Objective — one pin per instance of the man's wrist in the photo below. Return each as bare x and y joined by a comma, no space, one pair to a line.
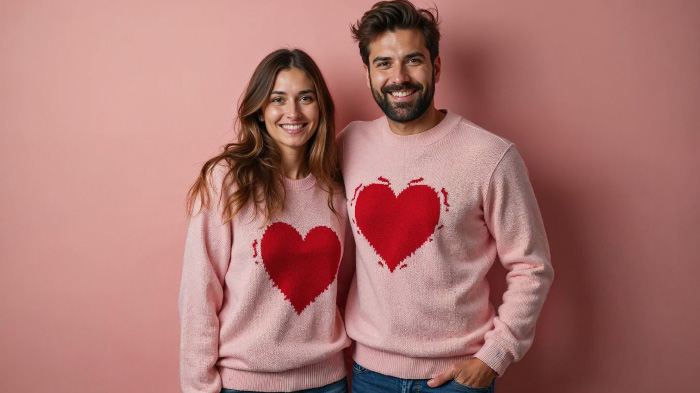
494,357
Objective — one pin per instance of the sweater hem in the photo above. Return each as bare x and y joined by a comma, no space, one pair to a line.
406,367
310,376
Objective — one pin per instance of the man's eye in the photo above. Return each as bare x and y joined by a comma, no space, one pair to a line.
413,61
382,64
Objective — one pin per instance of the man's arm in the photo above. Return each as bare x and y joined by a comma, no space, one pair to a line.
513,218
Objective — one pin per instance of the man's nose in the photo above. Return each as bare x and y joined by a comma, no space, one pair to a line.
400,75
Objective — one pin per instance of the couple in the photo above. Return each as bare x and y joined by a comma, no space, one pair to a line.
286,260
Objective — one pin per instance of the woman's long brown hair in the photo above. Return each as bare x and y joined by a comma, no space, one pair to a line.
254,162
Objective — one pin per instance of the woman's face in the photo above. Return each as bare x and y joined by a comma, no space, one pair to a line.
291,112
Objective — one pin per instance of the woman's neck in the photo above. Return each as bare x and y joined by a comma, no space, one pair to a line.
294,165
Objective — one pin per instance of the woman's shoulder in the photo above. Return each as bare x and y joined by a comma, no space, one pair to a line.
220,177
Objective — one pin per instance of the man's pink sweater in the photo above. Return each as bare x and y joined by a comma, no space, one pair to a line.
431,213
258,300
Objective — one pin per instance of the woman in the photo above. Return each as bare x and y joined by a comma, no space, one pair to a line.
260,276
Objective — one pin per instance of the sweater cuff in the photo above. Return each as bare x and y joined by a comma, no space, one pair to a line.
494,357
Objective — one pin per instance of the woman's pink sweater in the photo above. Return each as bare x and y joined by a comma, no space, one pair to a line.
257,300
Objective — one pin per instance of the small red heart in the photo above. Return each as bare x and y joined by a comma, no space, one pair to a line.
396,226
301,268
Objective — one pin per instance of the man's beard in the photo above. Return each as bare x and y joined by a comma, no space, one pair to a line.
404,112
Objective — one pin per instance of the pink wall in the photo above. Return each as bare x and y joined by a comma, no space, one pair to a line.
108,108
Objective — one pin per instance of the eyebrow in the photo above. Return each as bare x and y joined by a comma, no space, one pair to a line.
380,58
414,54
408,56
307,91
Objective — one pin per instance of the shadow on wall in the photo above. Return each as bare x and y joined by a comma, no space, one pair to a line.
354,102
463,87
565,337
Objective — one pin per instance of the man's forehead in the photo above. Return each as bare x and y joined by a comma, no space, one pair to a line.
399,42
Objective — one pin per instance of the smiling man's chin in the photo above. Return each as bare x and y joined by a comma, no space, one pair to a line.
405,106
404,112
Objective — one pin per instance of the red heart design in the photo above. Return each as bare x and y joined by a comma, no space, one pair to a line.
301,268
396,226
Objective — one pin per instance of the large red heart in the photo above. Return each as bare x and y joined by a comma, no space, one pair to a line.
396,226
301,268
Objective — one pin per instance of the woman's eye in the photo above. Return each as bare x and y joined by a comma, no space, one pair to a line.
306,99
276,99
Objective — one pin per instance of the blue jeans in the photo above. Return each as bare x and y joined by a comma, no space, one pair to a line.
335,387
367,381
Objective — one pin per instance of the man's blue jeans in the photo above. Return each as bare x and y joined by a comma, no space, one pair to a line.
335,387
367,381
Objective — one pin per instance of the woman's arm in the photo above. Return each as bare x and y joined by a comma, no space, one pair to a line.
207,256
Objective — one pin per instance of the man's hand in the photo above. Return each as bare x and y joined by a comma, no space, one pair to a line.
472,372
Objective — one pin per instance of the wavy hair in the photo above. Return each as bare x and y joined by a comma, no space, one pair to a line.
254,161
393,15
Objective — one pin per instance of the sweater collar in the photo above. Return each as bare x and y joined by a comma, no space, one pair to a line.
424,138
300,184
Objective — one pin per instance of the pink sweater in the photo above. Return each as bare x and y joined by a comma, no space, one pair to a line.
431,213
258,301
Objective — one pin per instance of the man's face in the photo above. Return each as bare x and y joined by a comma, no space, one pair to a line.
400,74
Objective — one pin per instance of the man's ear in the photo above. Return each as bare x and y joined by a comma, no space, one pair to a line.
367,76
437,67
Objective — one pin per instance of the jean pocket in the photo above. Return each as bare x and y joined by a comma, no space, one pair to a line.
466,388
357,369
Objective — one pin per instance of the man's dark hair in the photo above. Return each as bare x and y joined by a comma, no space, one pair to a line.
391,16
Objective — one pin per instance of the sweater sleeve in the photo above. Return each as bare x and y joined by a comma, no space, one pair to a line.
206,260
513,219
346,271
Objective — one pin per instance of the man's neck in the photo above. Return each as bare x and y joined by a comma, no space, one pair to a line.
426,121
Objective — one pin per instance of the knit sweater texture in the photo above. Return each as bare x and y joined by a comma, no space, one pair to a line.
431,213
258,301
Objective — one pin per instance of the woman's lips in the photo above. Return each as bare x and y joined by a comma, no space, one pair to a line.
293,128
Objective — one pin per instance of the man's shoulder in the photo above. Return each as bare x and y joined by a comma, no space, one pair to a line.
358,128
480,137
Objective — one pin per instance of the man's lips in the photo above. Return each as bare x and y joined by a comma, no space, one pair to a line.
402,95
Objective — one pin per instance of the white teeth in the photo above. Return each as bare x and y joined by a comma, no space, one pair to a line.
401,93
293,127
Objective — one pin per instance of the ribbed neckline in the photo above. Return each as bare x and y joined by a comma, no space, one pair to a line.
301,184
424,138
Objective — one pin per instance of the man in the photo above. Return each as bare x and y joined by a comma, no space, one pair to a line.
433,201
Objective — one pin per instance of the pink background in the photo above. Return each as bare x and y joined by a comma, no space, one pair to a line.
107,110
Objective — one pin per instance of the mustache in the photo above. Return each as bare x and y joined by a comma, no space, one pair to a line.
403,86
